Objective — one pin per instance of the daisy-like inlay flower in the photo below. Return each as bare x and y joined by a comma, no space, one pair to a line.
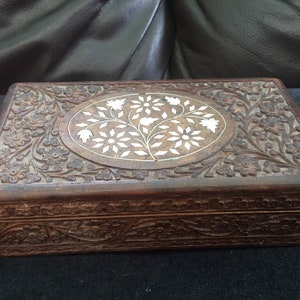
146,104
185,137
112,141
116,104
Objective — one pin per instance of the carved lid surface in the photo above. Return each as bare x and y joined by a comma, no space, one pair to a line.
146,130
110,131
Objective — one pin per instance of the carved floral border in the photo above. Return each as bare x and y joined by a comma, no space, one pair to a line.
116,233
267,139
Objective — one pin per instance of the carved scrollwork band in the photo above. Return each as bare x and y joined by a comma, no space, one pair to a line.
152,205
150,232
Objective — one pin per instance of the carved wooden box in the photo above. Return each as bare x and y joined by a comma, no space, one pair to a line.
109,166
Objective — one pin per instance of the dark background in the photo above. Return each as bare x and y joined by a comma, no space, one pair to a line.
266,273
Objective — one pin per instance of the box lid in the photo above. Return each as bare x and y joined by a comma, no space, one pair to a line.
87,138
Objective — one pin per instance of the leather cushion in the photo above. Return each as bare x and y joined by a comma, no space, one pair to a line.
59,40
236,38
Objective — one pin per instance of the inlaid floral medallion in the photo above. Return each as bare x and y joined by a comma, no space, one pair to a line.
146,130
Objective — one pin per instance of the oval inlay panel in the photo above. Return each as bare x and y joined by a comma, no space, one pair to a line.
150,130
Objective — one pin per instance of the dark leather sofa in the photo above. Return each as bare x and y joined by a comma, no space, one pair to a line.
78,40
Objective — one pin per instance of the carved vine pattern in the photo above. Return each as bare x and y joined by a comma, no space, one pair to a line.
267,137
146,230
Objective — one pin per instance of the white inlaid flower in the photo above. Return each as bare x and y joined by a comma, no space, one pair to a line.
116,104
210,124
149,126
172,100
146,104
112,141
185,137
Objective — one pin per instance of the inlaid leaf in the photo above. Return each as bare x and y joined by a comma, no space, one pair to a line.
156,108
173,138
159,136
92,120
140,152
136,145
125,139
122,145
195,143
210,124
187,145
105,149
156,144
101,114
146,121
160,153
101,108
81,124
163,127
198,138
125,153
103,125
174,151
145,130
115,149
208,115
84,135
120,134
87,113
97,145
178,144
134,133
98,140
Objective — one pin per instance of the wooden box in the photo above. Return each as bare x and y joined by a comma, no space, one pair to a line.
115,166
